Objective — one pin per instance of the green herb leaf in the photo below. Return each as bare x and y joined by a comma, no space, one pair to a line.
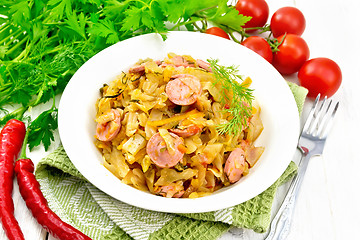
20,12
231,18
58,8
240,102
38,31
106,29
201,7
76,23
42,129
114,10
173,9
3,50
21,96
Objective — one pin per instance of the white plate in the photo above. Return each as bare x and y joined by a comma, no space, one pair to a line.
279,114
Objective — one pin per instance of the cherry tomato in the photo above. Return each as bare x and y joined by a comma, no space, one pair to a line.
320,75
287,20
293,53
260,46
258,10
217,32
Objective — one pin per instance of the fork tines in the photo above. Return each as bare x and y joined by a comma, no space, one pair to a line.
320,117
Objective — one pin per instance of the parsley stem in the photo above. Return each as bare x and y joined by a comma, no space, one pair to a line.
27,49
53,23
21,55
14,35
197,13
17,114
53,98
4,99
5,90
184,23
5,86
4,27
17,45
144,3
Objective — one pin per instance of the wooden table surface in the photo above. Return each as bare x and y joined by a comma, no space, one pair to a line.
327,207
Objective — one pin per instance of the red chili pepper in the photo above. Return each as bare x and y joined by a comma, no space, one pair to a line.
30,191
11,139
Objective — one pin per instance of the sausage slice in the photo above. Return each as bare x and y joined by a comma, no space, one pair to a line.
158,153
235,165
107,131
204,65
187,132
184,89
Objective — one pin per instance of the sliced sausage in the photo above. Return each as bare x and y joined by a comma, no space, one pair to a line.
204,65
158,153
191,130
184,89
141,67
107,131
235,165
137,68
170,191
179,61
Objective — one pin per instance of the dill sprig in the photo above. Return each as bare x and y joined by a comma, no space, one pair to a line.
237,96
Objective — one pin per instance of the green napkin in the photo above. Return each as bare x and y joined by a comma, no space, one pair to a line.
100,216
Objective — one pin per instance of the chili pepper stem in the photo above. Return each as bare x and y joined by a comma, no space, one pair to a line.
23,147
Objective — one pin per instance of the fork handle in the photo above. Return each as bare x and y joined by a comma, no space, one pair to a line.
280,225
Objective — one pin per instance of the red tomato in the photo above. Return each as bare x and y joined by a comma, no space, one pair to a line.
293,53
287,20
260,46
320,75
217,32
257,9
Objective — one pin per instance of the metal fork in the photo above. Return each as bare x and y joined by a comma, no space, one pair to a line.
311,143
